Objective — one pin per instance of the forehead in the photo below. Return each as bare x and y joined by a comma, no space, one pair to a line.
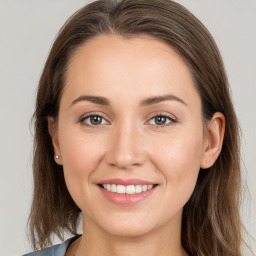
108,49
112,65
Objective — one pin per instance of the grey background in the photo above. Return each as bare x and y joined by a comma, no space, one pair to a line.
27,30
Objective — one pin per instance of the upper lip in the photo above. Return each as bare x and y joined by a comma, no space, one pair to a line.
126,182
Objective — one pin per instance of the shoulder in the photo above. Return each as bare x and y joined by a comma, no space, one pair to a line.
56,250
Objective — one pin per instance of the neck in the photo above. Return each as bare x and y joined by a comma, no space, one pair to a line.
97,242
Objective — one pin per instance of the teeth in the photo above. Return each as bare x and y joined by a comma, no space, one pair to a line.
150,186
130,189
120,189
144,188
113,188
138,188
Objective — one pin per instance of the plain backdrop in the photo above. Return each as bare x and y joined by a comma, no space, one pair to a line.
27,30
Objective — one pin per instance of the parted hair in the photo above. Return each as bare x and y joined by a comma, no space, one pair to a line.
211,222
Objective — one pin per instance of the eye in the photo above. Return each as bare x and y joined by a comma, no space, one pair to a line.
93,120
161,120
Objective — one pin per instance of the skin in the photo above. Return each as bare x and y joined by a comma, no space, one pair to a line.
128,143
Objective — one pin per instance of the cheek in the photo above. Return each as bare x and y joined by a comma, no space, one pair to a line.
178,161
81,157
179,157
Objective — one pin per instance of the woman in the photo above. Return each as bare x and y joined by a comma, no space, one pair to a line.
135,129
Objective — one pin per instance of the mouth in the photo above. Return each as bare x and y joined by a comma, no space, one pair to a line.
129,189
126,192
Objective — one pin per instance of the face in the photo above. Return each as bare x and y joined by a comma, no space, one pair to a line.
130,121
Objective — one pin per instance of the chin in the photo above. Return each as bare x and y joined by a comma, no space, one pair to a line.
128,225
131,231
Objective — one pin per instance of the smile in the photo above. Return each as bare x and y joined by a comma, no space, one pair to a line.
129,189
127,192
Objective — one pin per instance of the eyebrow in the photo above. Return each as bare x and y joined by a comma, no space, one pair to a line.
94,99
146,102
157,99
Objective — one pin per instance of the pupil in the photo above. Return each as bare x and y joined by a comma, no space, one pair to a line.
160,120
95,120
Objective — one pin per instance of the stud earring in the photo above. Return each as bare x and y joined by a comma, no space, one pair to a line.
57,157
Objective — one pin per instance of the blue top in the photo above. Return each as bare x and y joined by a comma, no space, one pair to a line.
56,250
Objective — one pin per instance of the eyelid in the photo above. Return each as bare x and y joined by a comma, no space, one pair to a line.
94,113
173,118
159,113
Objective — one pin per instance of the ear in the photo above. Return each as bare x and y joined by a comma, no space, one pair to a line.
213,140
53,131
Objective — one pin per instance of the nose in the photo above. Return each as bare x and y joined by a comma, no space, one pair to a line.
125,149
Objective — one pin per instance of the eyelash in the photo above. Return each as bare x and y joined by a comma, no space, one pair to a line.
172,120
155,115
83,118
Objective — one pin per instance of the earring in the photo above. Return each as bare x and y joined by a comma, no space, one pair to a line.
57,157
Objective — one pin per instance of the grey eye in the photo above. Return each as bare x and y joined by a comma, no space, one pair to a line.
160,120
94,120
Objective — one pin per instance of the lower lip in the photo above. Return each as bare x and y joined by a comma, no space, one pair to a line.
126,199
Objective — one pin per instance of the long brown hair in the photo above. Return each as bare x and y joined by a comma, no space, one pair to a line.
211,223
